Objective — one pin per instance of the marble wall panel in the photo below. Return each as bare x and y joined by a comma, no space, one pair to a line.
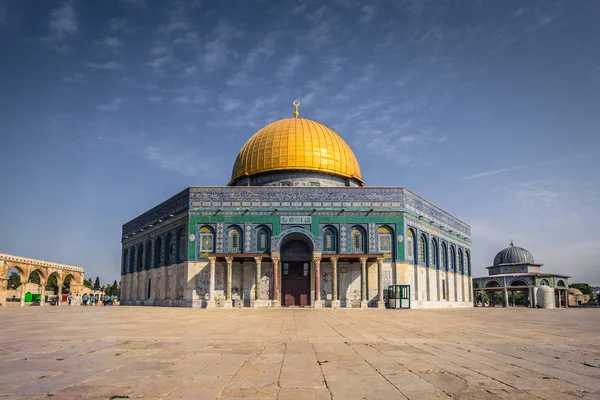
326,283
265,281
237,281
350,285
249,279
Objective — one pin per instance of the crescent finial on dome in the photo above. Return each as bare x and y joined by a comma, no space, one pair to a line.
296,103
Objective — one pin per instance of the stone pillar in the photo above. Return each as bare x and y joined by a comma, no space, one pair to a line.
3,290
364,303
257,302
228,302
380,302
505,297
530,297
23,293
42,291
275,295
566,298
211,287
559,298
59,301
335,301
317,262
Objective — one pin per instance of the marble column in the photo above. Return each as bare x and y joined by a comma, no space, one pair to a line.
505,297
275,295
364,303
317,263
228,301
566,298
559,298
23,293
257,302
211,289
380,301
530,290
335,301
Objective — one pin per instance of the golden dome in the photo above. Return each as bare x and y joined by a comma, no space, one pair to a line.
296,144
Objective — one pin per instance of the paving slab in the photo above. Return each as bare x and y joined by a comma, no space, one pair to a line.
173,353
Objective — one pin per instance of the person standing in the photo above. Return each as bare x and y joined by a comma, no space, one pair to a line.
76,299
70,298
84,298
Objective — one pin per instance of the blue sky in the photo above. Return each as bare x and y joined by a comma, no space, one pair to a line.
489,109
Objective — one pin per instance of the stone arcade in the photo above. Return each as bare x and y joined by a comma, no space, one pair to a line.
295,226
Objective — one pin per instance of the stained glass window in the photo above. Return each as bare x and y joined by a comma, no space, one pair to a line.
434,252
421,249
262,240
329,242
206,240
357,239
233,240
444,260
410,245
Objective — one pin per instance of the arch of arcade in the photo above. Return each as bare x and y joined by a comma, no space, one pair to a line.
25,266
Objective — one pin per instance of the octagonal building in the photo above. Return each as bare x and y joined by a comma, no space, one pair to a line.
295,226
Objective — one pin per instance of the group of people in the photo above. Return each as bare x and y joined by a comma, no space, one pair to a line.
91,300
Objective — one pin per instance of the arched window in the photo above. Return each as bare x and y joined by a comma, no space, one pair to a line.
330,240
468,262
169,250
544,282
444,258
124,263
434,253
157,252
460,261
561,283
262,240
148,256
181,245
206,240
357,238
422,249
385,239
131,260
140,255
452,259
410,245
234,235
492,284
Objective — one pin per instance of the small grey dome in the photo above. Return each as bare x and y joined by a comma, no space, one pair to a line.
513,255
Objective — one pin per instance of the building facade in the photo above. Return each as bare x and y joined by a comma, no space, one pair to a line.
515,271
295,226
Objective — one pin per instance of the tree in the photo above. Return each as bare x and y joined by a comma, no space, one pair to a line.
52,283
88,283
97,283
584,287
14,280
34,277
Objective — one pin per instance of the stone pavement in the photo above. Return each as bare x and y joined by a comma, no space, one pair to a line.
173,353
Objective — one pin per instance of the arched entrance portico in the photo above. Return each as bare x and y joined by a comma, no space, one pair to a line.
296,256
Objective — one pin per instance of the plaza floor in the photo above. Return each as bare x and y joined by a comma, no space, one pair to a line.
172,353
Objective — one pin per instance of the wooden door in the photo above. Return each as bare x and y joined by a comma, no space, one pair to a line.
295,282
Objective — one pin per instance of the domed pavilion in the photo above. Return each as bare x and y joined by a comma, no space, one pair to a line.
295,226
515,278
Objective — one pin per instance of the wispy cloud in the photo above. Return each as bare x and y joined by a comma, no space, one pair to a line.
63,22
119,25
112,42
74,78
368,14
107,66
263,50
493,172
217,50
187,163
112,105
291,65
